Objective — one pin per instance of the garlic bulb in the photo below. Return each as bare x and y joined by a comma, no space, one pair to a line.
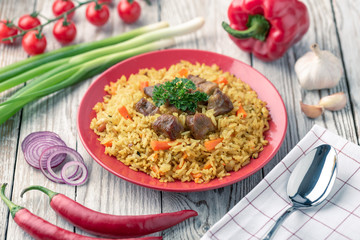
333,102
318,69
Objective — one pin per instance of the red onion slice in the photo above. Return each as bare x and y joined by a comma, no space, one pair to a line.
33,135
45,150
55,151
48,175
34,149
74,182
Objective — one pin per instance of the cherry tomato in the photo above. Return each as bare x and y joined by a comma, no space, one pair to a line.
129,12
28,21
61,6
7,29
97,14
34,44
64,31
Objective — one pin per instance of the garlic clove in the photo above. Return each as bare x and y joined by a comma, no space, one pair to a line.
318,69
333,102
311,111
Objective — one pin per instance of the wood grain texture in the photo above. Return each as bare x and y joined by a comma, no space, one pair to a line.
332,22
105,192
347,15
47,114
9,132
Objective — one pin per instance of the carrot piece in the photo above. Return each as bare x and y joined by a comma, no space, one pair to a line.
196,175
144,85
210,145
123,111
221,79
241,112
207,165
183,72
108,143
160,145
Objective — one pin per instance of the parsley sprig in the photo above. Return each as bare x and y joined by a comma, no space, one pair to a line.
180,92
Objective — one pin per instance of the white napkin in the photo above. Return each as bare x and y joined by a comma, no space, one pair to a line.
338,217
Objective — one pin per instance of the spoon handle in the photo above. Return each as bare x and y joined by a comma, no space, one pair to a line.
278,222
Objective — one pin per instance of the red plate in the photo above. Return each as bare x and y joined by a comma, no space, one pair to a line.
164,58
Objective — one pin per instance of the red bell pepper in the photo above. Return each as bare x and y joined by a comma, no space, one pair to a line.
267,28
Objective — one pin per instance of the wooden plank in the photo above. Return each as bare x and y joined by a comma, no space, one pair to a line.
347,14
9,131
211,205
104,191
47,114
281,74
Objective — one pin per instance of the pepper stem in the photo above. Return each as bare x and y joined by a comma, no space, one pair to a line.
48,192
258,28
12,206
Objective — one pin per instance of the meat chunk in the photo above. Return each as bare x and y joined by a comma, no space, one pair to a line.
168,125
197,80
146,108
149,91
199,125
172,109
220,102
208,87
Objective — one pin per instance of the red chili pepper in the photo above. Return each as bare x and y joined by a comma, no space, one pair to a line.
107,225
267,28
41,229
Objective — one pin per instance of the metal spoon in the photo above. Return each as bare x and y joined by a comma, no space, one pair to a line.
310,182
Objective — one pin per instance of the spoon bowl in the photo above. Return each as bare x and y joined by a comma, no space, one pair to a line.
310,182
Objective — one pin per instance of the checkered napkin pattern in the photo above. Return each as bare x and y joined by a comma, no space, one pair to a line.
338,217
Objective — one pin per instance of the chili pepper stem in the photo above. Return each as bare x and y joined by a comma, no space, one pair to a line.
12,206
48,192
258,28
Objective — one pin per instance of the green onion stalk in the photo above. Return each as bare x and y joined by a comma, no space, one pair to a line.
88,56
17,68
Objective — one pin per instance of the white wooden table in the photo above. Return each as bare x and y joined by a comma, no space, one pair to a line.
334,26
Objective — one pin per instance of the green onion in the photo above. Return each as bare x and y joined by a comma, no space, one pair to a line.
23,77
35,61
77,68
